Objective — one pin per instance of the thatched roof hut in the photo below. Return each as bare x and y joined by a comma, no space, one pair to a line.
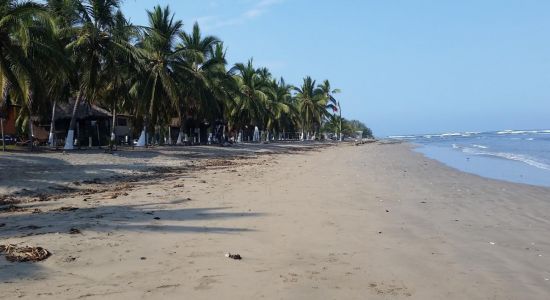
85,111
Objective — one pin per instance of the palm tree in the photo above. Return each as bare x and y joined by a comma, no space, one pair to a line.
159,85
42,55
64,15
311,103
278,107
17,76
250,103
331,102
45,62
87,50
197,62
92,46
117,74
223,88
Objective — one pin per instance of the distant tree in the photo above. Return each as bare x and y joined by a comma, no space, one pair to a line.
349,127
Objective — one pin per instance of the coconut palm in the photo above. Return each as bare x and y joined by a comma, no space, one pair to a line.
196,63
92,46
87,50
13,41
64,16
288,118
223,86
39,61
45,56
332,104
117,74
251,100
311,103
16,72
159,88
278,107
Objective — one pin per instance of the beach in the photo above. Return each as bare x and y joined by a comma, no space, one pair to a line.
314,221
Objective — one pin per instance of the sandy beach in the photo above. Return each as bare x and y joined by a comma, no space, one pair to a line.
372,221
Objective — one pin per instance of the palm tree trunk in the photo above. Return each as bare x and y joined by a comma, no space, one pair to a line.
31,137
5,91
52,126
3,105
142,142
340,110
69,140
3,137
267,133
29,105
181,133
113,129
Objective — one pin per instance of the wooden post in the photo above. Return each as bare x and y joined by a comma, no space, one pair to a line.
98,136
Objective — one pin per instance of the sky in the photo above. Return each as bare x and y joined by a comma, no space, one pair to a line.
404,67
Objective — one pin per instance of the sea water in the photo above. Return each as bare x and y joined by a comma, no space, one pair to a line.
513,155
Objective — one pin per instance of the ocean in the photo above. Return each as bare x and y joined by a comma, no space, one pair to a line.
521,156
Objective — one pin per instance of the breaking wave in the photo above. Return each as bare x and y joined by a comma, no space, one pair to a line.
402,137
523,132
510,156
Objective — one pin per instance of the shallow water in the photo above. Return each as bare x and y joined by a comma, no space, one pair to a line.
513,155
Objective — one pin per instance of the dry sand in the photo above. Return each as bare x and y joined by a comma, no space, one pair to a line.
346,222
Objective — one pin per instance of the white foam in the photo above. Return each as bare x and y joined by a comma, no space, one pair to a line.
480,146
511,156
451,134
401,137
509,131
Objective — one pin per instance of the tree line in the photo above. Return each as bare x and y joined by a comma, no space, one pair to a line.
88,51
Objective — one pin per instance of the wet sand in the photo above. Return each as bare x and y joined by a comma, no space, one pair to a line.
343,222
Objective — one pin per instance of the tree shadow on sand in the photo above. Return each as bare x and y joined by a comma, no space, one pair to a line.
15,271
151,217
108,218
33,173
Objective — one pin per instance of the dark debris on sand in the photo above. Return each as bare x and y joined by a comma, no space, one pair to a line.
234,256
14,253
74,231
12,208
66,208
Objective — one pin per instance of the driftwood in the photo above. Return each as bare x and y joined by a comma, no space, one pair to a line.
24,254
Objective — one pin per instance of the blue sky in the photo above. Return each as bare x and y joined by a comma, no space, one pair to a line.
404,66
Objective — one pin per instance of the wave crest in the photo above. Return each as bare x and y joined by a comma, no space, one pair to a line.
510,156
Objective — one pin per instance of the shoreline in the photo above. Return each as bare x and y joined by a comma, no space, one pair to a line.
514,156
375,221
510,171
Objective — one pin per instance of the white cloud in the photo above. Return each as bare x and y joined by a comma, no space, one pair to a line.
256,10
260,8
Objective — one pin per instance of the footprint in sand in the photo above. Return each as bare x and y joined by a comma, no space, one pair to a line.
206,283
291,277
389,289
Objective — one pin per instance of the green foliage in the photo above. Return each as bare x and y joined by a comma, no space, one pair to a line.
87,50
349,127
